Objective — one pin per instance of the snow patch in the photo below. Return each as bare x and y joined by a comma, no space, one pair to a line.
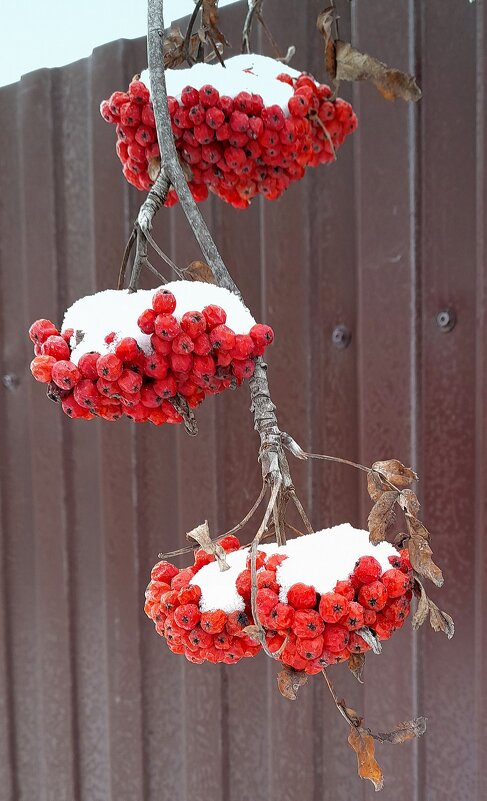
118,311
245,73
319,560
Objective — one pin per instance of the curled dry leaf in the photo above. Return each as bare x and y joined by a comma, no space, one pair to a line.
420,552
289,681
201,534
324,24
439,620
356,664
367,766
395,472
199,271
408,502
254,633
404,731
351,65
375,486
209,17
382,516
154,167
370,638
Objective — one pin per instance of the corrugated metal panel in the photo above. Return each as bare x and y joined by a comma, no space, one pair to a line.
94,707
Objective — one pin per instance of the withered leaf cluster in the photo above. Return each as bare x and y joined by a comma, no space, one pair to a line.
190,48
388,484
344,63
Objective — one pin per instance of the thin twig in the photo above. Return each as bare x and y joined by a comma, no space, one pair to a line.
313,115
300,508
125,257
250,514
187,39
253,564
163,256
338,703
255,7
269,35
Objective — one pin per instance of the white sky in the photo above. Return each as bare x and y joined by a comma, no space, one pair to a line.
50,33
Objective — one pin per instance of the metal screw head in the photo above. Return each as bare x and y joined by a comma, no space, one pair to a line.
341,337
446,320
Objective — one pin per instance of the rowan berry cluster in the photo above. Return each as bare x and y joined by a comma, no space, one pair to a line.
235,147
191,357
314,630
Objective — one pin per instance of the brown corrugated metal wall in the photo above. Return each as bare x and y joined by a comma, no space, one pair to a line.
93,706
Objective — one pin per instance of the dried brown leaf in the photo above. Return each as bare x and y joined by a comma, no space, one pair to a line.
199,271
209,18
154,167
408,501
420,555
201,535
356,664
441,621
415,526
324,24
253,632
351,65
289,681
407,730
370,638
375,486
367,766
422,610
395,472
382,516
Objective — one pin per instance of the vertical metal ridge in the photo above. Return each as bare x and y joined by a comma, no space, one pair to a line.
480,416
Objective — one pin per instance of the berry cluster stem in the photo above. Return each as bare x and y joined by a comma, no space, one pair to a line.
273,461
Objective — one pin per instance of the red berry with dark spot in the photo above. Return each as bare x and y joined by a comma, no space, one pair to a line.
310,647
367,569
335,637
354,618
213,622
146,321
109,366
41,330
166,326
301,596
65,374
333,606
373,596
163,302
395,582
307,623
187,616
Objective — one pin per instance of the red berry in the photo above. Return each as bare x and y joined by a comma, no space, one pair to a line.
155,365
86,393
298,105
243,369
166,387
273,117
109,367
229,543
107,388
189,96
395,582
208,96
182,344
243,584
222,338
187,616
163,571
266,600
262,335
396,611
65,374
367,569
204,366
346,589
307,623
41,330
193,323
369,617
276,559
266,579
301,596
163,302
146,321
213,622
87,365
41,368
335,637
127,350
354,618
310,647
182,362
169,600
57,347
215,118
145,134
202,344
373,596
130,114
333,606
243,102
166,326
149,397
139,92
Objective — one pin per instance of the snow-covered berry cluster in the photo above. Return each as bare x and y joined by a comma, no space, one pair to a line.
203,612
249,129
157,349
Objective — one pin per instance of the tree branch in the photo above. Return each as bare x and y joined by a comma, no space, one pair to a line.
273,460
